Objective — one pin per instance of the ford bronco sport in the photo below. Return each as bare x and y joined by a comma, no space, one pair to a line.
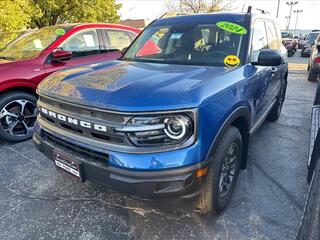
174,123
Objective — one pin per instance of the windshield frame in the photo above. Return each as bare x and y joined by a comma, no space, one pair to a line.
243,49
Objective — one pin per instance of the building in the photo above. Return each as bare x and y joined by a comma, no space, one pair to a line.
136,23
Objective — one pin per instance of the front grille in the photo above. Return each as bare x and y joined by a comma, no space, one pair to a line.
108,119
84,111
84,152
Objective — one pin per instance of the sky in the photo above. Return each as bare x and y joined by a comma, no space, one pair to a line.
308,19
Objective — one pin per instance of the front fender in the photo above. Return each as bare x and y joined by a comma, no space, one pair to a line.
237,114
19,83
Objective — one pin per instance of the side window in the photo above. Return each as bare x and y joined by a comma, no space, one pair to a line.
118,39
272,36
259,39
83,43
156,45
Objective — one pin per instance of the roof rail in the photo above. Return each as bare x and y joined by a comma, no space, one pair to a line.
172,14
249,10
262,11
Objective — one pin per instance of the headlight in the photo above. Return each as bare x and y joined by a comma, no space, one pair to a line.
176,127
161,130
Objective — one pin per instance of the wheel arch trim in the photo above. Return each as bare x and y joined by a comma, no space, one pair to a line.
241,111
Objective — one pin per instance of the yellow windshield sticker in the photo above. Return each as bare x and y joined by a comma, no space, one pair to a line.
232,27
232,61
60,31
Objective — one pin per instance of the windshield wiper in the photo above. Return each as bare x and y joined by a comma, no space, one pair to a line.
7,58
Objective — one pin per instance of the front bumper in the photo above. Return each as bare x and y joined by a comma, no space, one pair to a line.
179,182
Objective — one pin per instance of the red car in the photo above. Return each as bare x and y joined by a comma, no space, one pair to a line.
29,59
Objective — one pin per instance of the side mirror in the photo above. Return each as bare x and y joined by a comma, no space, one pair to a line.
61,55
269,57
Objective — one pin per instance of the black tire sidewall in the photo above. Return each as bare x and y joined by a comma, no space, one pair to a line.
4,100
232,135
312,76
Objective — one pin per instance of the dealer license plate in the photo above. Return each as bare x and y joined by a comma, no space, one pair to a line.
67,165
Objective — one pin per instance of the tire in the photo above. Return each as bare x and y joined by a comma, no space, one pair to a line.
317,96
277,108
312,76
290,53
15,125
211,199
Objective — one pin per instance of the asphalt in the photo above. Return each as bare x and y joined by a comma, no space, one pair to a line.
37,202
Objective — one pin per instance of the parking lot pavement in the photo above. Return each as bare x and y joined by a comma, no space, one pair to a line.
37,202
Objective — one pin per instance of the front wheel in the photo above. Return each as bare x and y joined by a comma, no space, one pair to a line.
222,174
312,76
290,53
18,113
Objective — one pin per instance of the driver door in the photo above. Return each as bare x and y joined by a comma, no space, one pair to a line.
263,75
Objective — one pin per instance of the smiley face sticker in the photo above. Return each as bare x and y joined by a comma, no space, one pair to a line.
232,61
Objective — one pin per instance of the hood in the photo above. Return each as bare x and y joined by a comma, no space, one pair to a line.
130,86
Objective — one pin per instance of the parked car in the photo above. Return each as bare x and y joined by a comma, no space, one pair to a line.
173,123
290,42
310,225
308,43
301,40
314,61
37,54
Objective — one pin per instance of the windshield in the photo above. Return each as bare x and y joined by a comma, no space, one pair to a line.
31,44
312,37
286,34
199,44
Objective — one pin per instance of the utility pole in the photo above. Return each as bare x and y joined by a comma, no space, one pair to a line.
278,8
290,4
297,12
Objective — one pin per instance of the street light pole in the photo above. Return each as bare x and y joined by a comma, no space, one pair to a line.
291,4
297,12
287,20
278,8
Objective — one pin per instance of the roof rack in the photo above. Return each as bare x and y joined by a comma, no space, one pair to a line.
262,11
173,14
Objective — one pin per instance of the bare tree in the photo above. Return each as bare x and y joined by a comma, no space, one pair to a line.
198,6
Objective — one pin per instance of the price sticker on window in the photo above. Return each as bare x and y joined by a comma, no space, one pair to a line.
60,31
232,27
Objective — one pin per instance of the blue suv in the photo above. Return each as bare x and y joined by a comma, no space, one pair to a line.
171,122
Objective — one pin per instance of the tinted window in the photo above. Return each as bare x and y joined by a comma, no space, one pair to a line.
259,39
119,39
286,34
83,43
273,41
312,37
